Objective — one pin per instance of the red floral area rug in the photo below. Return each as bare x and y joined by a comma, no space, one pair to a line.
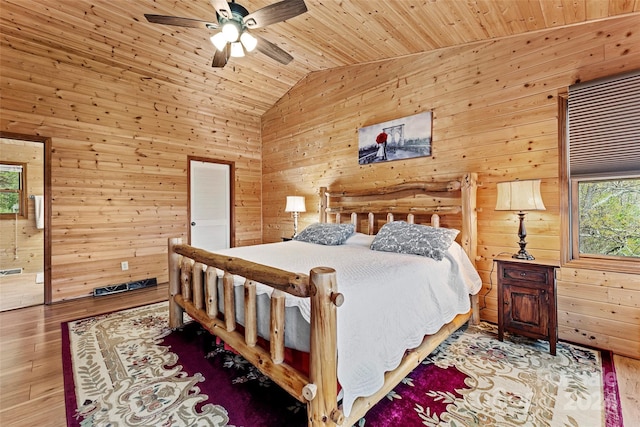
128,369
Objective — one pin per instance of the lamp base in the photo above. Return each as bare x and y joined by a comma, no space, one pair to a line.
295,225
522,234
523,255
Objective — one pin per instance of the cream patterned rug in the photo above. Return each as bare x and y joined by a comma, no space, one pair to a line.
123,376
128,369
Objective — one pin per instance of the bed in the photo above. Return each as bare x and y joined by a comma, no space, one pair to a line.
333,300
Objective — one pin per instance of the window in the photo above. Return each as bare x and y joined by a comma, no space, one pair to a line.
608,213
600,134
12,185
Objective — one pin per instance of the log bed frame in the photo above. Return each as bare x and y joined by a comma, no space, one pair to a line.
196,295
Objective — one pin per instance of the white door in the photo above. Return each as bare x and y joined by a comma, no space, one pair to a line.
210,205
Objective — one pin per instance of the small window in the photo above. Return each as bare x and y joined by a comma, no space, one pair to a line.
600,134
12,184
608,218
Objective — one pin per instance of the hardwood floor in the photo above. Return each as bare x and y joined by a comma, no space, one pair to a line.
31,384
628,373
21,290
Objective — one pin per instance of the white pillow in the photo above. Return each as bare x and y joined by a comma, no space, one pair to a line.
360,239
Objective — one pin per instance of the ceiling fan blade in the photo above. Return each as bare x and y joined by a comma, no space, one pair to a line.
273,51
220,58
276,12
222,8
180,22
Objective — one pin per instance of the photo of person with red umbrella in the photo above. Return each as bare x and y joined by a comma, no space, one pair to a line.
381,140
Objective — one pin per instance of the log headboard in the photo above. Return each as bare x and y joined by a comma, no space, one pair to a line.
416,202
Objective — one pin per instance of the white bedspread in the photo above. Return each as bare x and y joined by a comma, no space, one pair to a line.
391,301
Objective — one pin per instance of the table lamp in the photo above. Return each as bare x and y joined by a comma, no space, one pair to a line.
520,196
296,205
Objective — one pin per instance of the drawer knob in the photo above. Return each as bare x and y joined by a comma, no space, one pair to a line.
523,274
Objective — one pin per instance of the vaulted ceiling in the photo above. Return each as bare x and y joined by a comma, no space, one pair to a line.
332,33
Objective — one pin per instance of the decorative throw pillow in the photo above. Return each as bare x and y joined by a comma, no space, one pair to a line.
405,238
326,234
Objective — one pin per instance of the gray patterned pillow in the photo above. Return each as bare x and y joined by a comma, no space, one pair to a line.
405,238
326,234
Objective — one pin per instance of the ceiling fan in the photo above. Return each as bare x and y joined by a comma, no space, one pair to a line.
234,21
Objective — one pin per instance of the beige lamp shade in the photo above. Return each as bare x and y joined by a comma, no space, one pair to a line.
295,204
519,196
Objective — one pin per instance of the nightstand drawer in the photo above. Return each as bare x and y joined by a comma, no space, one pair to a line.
535,275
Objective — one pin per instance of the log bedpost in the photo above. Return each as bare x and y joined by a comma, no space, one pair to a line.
323,376
435,220
276,334
186,278
198,286
250,315
469,237
229,304
211,291
324,204
175,311
371,221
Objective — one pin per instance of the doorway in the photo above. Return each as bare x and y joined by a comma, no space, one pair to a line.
211,204
25,217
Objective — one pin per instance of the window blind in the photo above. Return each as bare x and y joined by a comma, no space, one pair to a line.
604,125
10,168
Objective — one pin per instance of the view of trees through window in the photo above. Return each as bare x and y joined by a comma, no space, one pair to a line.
10,186
609,217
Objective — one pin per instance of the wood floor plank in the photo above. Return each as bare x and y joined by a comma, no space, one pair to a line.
47,411
17,394
20,290
628,373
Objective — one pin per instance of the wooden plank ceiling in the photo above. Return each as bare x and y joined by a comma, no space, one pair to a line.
333,33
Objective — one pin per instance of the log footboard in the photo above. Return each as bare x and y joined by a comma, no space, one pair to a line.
189,288
193,275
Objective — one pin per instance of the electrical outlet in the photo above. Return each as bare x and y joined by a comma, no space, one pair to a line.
124,265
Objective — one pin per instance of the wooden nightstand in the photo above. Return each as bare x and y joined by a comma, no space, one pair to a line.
527,299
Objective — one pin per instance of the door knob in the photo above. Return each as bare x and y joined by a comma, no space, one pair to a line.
193,223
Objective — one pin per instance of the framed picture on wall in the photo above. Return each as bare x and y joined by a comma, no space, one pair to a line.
397,139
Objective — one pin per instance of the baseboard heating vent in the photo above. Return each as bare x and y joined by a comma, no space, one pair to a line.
11,271
114,289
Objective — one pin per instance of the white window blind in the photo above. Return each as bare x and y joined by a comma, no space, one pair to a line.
10,168
604,125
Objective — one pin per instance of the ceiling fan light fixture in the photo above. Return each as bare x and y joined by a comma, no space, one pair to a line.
237,51
219,41
248,41
231,31
231,27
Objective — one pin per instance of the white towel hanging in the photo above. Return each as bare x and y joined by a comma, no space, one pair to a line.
39,209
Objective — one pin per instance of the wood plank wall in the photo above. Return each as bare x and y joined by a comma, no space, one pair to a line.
119,160
21,242
495,107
